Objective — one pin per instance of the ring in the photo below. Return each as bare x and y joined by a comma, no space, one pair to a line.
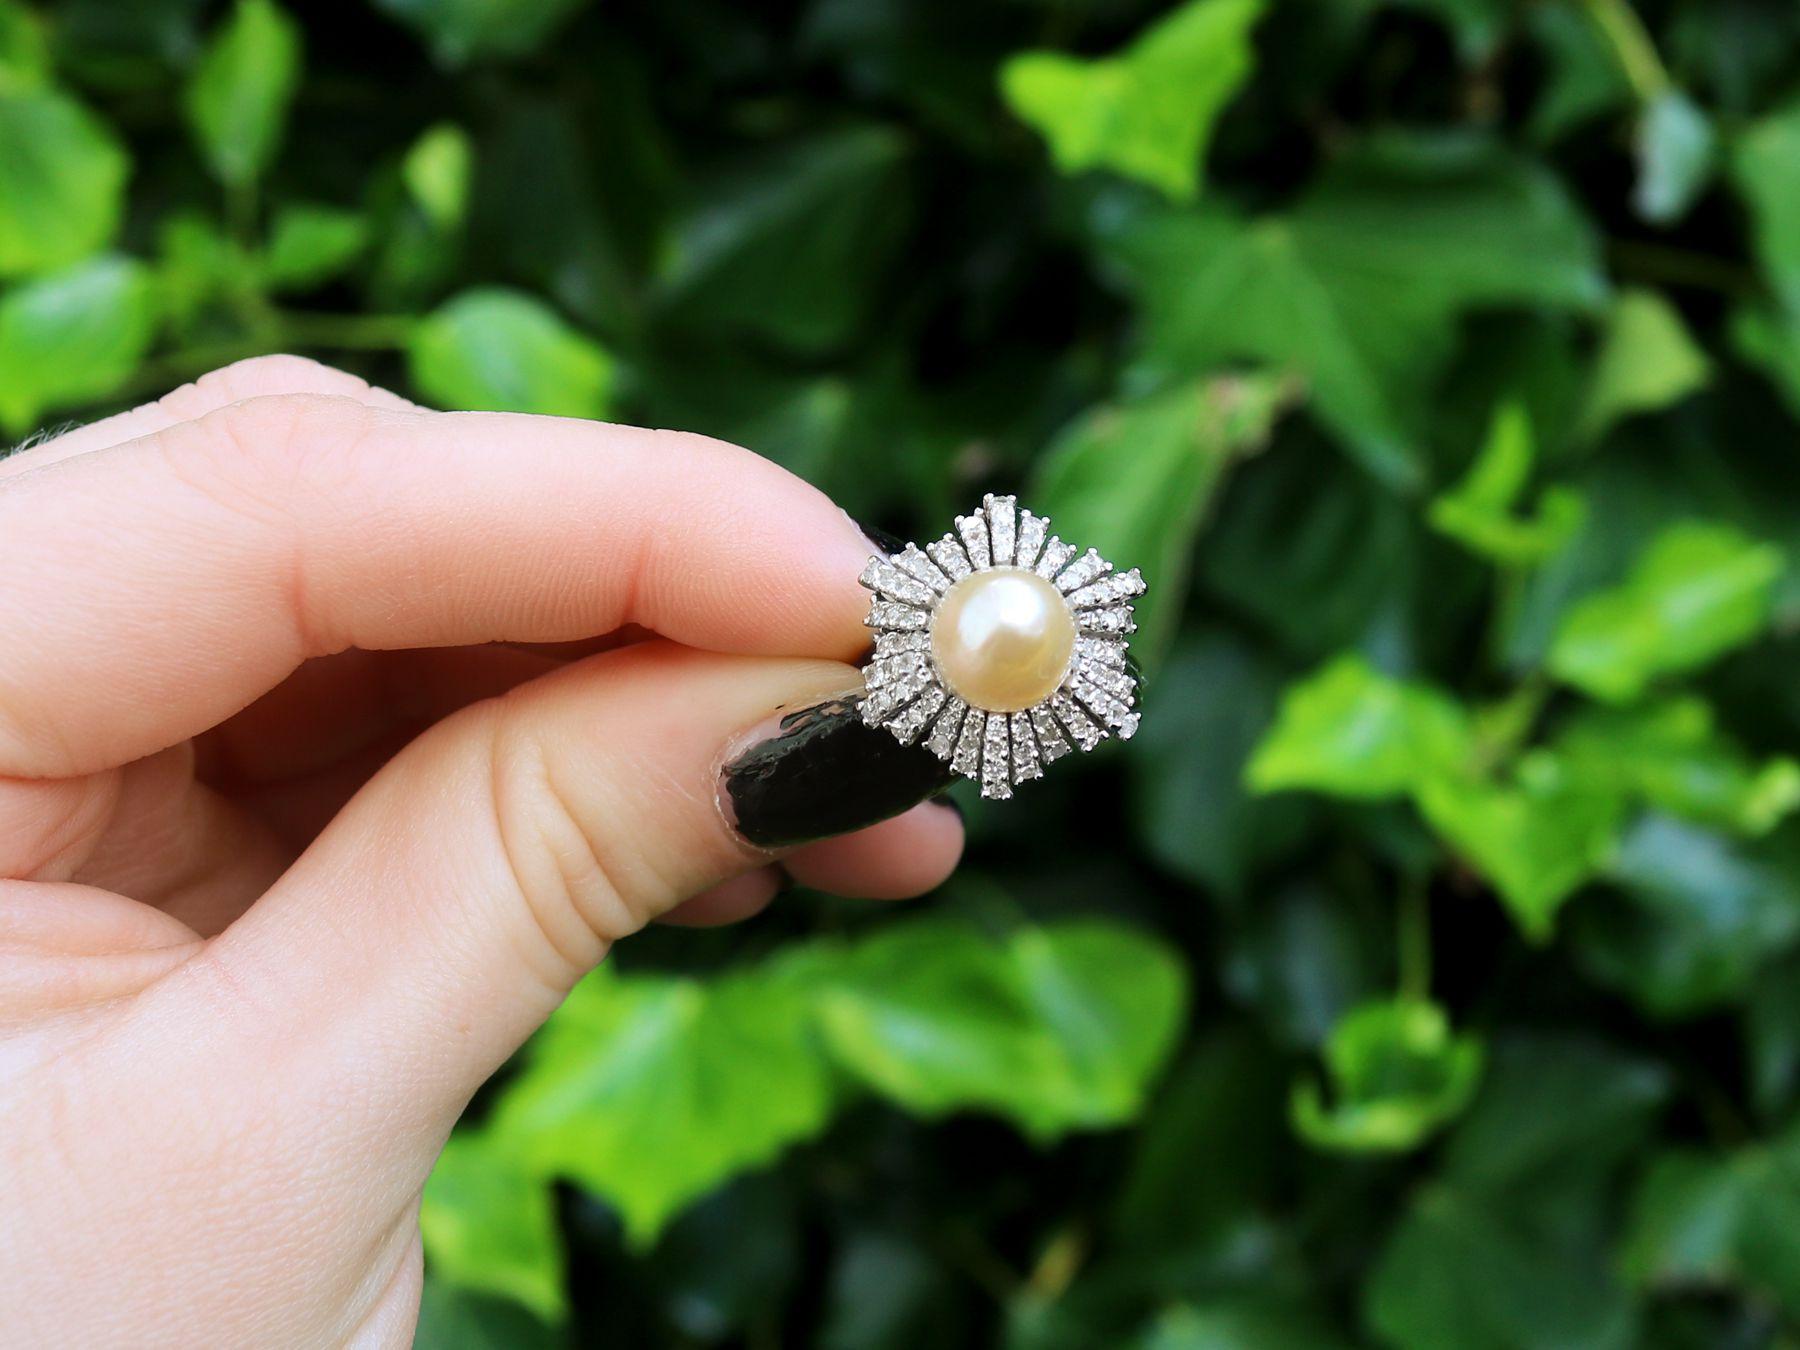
1002,646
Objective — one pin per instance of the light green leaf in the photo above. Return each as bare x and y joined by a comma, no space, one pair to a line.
651,1091
505,351
1057,1028
436,170
1676,152
490,1227
62,181
1536,838
1647,362
1699,590
310,244
1325,291
460,31
1350,731
1670,754
1766,170
237,101
1135,482
72,337
1148,111
24,49
1479,512
1397,1075
1241,1323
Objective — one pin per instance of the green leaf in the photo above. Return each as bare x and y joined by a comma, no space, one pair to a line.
453,1318
310,244
1647,362
1697,916
1323,290
1479,512
196,265
793,238
72,337
1769,339
24,49
1135,482
436,170
505,351
1350,731
1766,170
1537,838
489,1227
460,31
650,1091
1057,1028
1677,152
1397,1075
62,181
1241,1324
1670,754
1147,112
237,102
1699,590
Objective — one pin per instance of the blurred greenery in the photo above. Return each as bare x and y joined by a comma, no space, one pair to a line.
1425,975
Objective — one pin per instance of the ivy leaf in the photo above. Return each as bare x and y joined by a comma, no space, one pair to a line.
237,102
1766,171
1397,1074
1480,511
650,1091
1647,362
72,337
1350,731
1670,754
1323,291
504,351
1699,590
1057,1028
1537,838
1135,482
1241,1323
1147,112
310,244
489,1227
793,238
460,31
436,170
62,181
1676,151
1696,916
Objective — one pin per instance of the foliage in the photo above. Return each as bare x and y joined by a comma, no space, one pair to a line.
1423,976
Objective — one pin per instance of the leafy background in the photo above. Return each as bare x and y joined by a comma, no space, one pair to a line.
1427,973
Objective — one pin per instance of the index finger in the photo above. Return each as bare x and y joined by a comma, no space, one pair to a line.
156,587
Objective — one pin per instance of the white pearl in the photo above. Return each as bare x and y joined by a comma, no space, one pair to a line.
1002,639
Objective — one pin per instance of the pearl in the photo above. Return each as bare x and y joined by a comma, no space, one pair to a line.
1002,639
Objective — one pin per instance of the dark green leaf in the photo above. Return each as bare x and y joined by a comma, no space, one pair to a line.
459,31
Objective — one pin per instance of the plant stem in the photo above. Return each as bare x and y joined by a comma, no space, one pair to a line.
1631,45
1414,937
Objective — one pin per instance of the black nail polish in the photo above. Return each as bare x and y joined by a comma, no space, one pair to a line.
826,772
887,543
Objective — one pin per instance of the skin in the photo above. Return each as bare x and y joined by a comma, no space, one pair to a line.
338,739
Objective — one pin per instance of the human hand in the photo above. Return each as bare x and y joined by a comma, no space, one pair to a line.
295,855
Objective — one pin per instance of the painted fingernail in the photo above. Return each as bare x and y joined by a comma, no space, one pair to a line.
880,538
822,771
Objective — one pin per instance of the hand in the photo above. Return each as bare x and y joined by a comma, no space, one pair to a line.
296,855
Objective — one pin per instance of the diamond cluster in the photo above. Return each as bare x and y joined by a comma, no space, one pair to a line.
908,695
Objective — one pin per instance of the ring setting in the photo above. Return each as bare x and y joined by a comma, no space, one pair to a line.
1001,646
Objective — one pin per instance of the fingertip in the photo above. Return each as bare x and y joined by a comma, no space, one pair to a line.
911,854
742,897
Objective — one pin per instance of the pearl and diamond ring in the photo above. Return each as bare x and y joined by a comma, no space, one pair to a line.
1001,646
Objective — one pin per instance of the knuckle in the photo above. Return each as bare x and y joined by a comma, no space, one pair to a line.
254,455
558,862
278,373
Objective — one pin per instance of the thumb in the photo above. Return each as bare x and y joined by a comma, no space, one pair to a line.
450,906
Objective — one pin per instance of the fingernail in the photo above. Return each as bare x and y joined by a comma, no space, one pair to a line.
885,542
823,771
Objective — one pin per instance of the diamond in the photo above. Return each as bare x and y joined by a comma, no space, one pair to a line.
918,715
884,577
892,614
968,745
974,532
1055,556
918,565
1108,590
1053,745
948,554
1115,620
1082,729
1024,750
1083,570
1030,541
1002,514
996,761
942,740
